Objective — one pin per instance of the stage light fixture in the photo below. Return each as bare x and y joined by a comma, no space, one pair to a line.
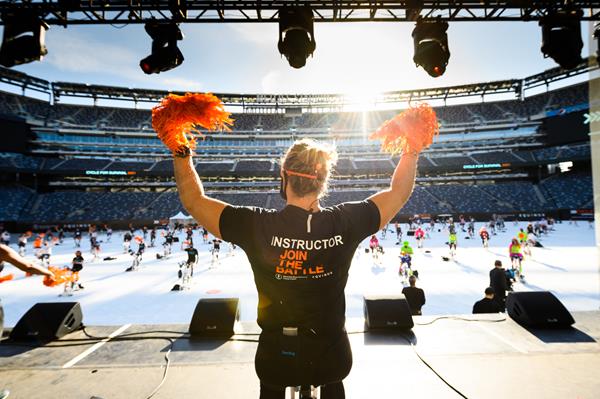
165,53
561,37
431,46
23,38
296,35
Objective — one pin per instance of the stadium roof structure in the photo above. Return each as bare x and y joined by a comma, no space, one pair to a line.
24,81
65,89
56,12
58,90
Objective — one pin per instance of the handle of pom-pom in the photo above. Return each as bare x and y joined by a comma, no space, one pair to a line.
182,152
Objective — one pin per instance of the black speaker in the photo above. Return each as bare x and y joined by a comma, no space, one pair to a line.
538,309
48,321
214,317
387,313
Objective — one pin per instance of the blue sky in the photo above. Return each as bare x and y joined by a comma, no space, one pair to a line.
351,58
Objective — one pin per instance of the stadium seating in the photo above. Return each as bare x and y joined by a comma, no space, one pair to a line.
569,190
59,206
71,137
456,161
495,157
521,195
253,168
14,201
467,198
564,191
67,115
374,166
81,164
165,166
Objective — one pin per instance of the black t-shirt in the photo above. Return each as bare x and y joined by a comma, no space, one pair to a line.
127,237
300,260
486,305
498,281
415,298
216,244
192,254
77,263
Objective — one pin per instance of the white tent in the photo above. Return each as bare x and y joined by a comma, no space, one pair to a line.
181,218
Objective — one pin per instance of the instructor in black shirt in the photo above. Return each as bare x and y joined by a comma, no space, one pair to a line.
300,258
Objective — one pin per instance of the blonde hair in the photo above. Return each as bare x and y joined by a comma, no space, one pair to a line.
307,165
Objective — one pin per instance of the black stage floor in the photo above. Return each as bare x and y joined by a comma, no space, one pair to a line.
481,359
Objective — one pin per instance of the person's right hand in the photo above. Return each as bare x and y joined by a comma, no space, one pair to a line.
42,271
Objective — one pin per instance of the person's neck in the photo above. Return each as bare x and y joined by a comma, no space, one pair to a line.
308,203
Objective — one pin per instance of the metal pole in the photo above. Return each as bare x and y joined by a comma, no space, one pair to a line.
594,97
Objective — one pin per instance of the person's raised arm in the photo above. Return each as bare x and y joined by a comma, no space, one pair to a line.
174,121
391,200
207,211
7,254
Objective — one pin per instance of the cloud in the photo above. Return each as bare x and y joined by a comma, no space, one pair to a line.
78,54
263,35
271,82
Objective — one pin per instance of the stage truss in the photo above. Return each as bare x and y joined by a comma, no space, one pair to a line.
65,12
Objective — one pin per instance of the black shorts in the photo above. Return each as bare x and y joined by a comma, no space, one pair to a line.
305,359
77,268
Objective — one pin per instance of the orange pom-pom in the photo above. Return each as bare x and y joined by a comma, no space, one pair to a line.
410,131
61,276
175,118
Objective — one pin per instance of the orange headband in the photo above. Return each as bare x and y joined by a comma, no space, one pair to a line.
289,172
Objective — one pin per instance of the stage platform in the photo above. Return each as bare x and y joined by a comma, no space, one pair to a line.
481,359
